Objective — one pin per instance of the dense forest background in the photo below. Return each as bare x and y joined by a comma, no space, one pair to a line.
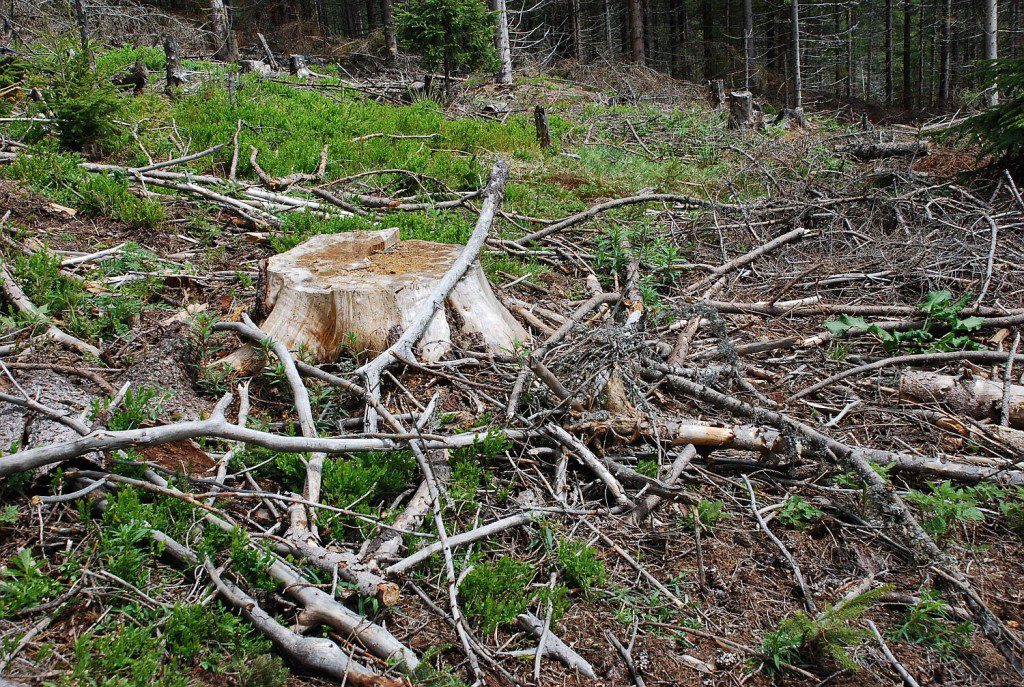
918,54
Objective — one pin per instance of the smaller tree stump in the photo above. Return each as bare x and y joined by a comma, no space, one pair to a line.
540,120
716,93
359,290
175,73
297,66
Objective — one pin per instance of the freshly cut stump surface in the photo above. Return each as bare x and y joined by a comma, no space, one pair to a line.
360,290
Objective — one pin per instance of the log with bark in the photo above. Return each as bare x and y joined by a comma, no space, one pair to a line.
881,150
972,395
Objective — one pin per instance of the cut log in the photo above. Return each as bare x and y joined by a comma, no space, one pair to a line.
359,290
256,67
974,396
878,151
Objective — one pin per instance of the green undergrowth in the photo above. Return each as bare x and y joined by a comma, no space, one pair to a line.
82,311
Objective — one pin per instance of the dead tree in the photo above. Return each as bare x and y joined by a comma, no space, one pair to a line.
797,76
175,74
501,43
271,60
220,23
716,93
992,45
540,121
82,20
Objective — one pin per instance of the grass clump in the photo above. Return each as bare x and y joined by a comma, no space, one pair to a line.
929,623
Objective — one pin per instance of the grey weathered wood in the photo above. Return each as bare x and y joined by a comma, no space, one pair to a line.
271,60
175,74
540,121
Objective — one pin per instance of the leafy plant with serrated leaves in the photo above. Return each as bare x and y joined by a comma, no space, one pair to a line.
944,505
943,328
798,513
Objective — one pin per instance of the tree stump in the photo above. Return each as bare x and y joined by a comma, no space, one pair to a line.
741,110
358,291
716,92
175,74
297,66
540,121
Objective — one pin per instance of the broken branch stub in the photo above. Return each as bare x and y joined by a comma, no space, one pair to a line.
360,290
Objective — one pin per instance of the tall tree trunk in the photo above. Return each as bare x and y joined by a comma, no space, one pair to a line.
220,23
684,54
577,34
609,36
888,53
707,36
908,14
849,53
794,19
946,53
501,42
748,42
920,54
636,31
992,44
371,16
390,41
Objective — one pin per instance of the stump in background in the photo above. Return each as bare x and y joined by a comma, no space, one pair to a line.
716,93
540,120
297,66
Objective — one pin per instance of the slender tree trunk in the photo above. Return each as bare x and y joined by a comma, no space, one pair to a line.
82,19
849,53
888,53
501,42
908,14
390,41
946,53
577,34
920,54
707,36
794,18
748,42
371,16
636,31
609,36
684,54
837,60
992,44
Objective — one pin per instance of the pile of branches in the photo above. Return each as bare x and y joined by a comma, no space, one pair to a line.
607,374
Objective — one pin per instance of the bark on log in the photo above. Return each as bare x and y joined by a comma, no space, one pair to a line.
271,60
878,151
356,290
974,396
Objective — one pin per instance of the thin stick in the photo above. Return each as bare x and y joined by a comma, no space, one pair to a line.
808,598
893,661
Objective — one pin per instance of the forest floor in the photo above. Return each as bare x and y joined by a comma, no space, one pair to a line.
767,558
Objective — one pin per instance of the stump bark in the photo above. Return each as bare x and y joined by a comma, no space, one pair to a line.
741,111
359,290
716,93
